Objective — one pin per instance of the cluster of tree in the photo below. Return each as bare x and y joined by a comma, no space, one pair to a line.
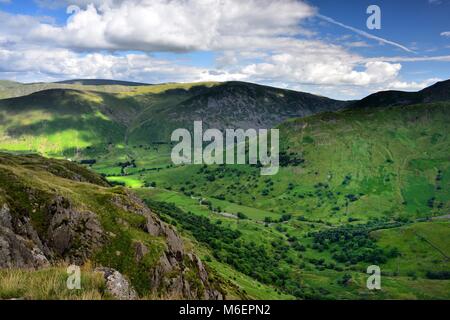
283,218
265,264
438,275
433,203
127,164
218,172
290,159
88,162
353,244
200,227
268,187
242,216
149,184
117,183
347,180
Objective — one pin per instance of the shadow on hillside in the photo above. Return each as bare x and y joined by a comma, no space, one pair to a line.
86,128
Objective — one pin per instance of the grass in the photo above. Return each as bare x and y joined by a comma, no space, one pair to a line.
30,184
249,286
50,284
358,166
396,154
424,247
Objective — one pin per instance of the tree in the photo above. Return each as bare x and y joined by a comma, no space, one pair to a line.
241,216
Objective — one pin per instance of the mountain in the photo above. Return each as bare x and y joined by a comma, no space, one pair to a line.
102,82
54,212
62,121
231,105
9,89
356,187
435,93
359,184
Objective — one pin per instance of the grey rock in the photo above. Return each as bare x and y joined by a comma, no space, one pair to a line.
117,285
5,217
15,252
140,251
157,228
73,234
170,276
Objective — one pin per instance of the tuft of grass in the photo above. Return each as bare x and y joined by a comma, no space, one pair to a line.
50,284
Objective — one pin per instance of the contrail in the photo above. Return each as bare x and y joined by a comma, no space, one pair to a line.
363,33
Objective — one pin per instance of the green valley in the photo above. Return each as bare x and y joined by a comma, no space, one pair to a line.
360,183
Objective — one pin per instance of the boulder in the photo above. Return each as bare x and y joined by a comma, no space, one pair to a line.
117,285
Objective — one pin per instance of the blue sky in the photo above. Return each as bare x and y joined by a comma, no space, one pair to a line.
319,46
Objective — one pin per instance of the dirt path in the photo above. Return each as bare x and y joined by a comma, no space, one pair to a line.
445,217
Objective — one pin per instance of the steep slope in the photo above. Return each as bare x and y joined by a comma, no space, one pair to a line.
232,105
397,158
54,212
9,89
61,122
435,93
376,175
363,175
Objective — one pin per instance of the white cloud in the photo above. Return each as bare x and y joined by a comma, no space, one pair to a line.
314,62
357,44
410,86
60,64
255,40
174,25
445,34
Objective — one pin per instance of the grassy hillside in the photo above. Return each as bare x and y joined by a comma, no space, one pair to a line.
438,92
368,185
103,82
230,105
62,122
50,284
380,171
357,164
54,212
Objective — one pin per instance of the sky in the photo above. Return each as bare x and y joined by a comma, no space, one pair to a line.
320,46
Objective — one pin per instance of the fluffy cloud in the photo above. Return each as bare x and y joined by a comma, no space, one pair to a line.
255,40
409,86
174,25
315,62
58,64
445,34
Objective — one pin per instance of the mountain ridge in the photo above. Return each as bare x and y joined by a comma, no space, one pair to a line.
149,114
437,92
97,82
373,175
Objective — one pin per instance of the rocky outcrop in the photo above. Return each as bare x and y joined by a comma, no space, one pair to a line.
178,274
188,276
117,285
73,234
18,250
140,251
62,220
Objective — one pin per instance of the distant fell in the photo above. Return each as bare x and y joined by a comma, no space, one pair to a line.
438,92
102,82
